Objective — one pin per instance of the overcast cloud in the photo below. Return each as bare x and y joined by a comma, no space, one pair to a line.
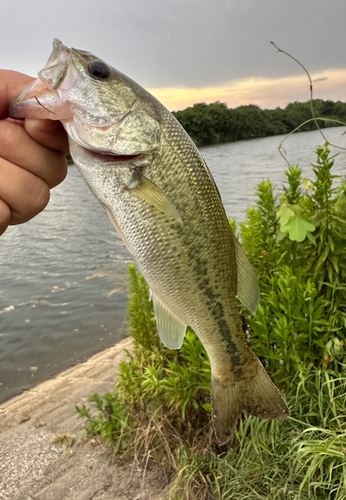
181,43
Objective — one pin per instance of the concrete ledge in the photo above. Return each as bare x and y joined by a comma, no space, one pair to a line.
53,402
32,467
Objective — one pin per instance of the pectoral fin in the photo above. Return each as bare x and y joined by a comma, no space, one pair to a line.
153,195
247,290
170,328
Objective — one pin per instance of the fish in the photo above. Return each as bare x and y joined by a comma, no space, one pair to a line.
161,197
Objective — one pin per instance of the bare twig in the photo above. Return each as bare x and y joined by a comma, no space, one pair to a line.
314,118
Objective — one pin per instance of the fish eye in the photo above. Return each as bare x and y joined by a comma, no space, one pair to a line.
99,70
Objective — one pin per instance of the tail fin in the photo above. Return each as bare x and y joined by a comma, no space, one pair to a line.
257,395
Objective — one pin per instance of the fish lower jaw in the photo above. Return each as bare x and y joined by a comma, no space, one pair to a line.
113,158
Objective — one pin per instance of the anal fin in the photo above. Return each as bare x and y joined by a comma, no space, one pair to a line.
170,328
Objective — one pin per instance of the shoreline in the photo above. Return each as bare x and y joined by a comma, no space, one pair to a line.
34,465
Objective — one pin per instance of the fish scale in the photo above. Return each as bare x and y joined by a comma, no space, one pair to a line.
160,195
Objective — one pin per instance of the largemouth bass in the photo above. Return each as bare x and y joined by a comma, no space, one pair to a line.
161,197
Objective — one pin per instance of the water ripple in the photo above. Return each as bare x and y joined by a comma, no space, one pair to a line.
70,257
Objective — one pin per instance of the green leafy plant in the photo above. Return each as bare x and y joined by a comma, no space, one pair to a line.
297,244
110,421
165,394
160,411
302,458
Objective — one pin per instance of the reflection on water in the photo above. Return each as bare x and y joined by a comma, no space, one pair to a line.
63,274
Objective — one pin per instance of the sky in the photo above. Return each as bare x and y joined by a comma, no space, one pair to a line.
189,51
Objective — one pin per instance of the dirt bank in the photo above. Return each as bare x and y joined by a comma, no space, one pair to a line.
34,467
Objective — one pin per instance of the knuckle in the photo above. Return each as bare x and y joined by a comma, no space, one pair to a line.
37,197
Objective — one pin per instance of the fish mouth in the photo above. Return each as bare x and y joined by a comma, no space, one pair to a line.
106,159
37,102
48,96
66,91
43,98
111,158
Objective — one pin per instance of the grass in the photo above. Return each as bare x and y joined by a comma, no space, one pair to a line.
160,411
278,460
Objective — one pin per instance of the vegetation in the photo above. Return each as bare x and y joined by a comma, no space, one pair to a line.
214,123
161,409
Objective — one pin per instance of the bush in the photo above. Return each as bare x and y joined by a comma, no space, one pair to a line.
166,392
296,242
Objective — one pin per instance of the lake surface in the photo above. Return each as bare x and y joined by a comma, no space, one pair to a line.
63,274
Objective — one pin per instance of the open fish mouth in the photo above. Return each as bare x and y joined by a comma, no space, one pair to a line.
111,158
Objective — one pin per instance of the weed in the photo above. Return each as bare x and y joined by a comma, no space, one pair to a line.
161,409
64,440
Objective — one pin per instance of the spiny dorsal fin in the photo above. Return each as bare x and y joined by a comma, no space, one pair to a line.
153,195
170,328
247,290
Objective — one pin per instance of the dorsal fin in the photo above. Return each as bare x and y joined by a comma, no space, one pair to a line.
247,290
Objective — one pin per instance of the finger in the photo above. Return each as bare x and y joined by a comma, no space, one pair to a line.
18,147
11,84
49,133
5,216
25,194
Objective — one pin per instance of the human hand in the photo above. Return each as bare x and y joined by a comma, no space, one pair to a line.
32,157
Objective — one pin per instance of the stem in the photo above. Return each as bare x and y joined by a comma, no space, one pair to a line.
314,118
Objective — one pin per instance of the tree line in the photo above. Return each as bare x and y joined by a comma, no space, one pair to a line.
214,123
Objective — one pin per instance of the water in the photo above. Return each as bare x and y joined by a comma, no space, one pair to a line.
239,167
63,274
52,314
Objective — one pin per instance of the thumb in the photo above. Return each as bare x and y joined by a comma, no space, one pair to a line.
11,84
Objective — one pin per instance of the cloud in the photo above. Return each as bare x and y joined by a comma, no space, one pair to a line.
186,43
266,92
320,79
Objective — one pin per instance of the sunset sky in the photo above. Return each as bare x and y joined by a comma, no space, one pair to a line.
265,92
188,51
